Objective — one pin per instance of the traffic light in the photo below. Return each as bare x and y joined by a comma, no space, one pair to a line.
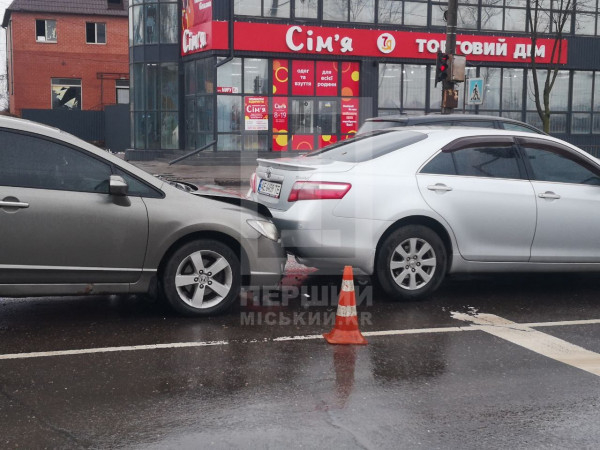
442,67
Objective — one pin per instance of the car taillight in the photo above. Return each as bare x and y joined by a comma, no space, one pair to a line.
253,182
318,190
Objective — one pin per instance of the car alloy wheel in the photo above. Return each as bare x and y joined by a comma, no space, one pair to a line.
202,277
413,264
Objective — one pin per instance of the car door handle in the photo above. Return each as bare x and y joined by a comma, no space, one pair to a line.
439,187
5,204
549,195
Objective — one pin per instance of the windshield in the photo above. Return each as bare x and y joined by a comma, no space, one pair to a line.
372,125
369,146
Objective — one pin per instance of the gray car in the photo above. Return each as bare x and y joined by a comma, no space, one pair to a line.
446,120
75,220
411,205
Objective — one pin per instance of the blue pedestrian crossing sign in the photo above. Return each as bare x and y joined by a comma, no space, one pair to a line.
474,91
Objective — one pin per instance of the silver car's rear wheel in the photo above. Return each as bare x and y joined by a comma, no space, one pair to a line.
201,278
411,262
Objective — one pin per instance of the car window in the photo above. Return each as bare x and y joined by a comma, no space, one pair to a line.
35,162
555,165
492,161
441,164
474,123
515,127
137,188
365,148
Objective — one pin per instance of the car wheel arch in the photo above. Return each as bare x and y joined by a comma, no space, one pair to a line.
224,238
426,221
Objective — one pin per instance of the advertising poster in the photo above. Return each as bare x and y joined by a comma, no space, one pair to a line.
256,111
349,115
280,124
303,142
350,79
327,78
280,77
327,139
303,78
196,26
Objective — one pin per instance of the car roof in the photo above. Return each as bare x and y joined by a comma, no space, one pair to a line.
435,117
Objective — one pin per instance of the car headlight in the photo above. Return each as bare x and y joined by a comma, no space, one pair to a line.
266,228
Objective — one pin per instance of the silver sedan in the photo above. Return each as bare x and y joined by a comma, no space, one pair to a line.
77,220
411,206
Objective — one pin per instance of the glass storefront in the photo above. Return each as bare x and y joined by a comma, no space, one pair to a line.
271,104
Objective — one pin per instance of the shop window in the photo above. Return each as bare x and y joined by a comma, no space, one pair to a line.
66,93
205,76
277,8
414,86
169,87
95,33
256,76
302,116
389,85
248,7
491,18
581,123
415,14
122,91
229,142
585,23
515,19
559,96
229,113
204,114
137,14
582,86
306,9
151,24
512,89
152,86
390,11
362,11
328,118
45,30
169,130
168,23
229,77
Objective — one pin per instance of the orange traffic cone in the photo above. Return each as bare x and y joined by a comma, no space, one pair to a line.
345,330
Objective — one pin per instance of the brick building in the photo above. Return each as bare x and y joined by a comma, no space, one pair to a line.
67,54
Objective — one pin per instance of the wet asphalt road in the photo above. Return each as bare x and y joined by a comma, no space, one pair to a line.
243,388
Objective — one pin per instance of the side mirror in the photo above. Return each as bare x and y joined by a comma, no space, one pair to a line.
118,186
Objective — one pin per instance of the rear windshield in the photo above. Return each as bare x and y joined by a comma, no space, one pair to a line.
370,146
372,125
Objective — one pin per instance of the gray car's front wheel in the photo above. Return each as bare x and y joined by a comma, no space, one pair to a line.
201,278
411,262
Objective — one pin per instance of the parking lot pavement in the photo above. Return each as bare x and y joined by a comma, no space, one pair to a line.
480,364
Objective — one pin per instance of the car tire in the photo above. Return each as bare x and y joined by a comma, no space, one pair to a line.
192,288
411,263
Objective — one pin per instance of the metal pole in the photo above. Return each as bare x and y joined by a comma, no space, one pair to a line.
451,21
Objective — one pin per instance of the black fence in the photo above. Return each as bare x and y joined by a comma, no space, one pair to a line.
107,129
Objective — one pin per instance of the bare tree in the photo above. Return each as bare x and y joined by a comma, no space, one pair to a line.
550,21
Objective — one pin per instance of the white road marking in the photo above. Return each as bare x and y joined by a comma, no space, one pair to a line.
536,341
475,327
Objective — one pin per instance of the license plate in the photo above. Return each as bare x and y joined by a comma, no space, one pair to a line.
269,188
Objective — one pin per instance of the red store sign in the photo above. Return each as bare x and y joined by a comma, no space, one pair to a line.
314,40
